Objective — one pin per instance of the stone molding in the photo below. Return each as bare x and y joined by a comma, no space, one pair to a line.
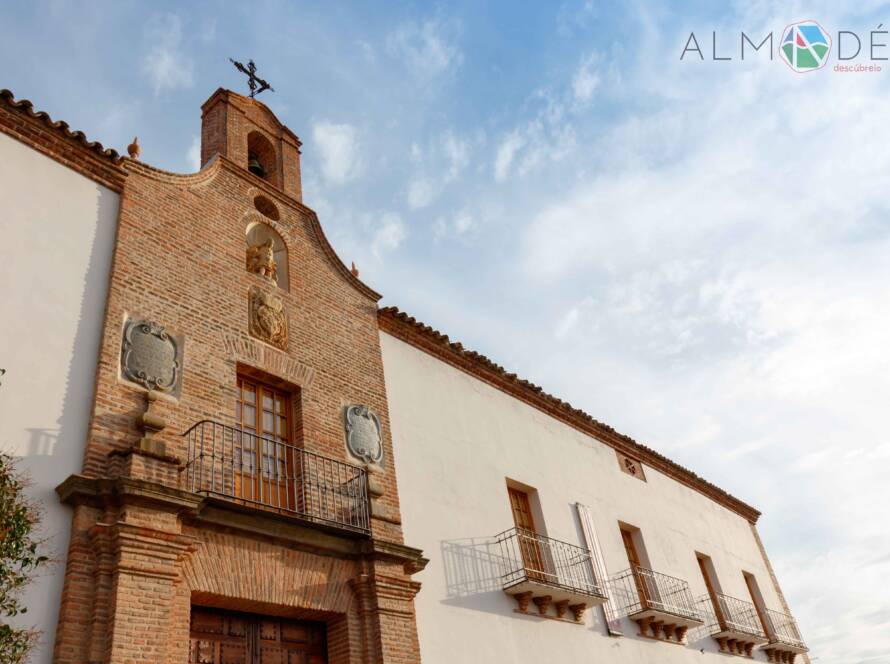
253,353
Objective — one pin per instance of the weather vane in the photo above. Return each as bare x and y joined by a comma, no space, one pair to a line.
252,78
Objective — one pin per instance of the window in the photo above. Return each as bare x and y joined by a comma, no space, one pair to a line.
266,207
632,541
263,457
529,543
756,599
522,511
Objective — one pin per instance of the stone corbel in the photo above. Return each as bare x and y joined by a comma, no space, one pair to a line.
151,423
376,490
542,603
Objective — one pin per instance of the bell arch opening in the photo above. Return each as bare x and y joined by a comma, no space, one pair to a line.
261,158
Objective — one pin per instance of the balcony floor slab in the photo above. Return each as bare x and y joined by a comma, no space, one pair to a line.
666,617
557,593
737,635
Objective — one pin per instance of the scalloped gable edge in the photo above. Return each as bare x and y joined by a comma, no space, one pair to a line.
218,162
55,139
408,329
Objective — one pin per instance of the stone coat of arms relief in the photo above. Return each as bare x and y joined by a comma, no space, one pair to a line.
267,318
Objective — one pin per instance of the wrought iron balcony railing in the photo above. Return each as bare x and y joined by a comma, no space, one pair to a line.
639,590
537,560
782,629
734,615
240,466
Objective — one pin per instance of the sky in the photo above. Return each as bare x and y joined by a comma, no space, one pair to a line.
695,252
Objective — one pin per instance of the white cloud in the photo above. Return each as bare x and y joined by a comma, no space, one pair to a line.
338,148
736,261
567,323
586,79
457,152
420,193
166,64
389,235
193,156
438,166
428,48
510,145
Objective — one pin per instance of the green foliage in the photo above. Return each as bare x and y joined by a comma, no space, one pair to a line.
19,559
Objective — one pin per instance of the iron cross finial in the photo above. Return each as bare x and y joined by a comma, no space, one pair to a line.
252,78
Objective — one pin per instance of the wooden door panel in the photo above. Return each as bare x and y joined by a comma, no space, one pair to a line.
220,637
634,559
529,548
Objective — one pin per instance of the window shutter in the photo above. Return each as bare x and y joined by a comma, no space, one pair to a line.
599,568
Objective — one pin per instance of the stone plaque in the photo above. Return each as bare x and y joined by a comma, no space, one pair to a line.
363,437
267,317
152,357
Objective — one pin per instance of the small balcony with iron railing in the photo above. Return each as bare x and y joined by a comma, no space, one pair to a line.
734,623
662,605
228,463
785,641
548,572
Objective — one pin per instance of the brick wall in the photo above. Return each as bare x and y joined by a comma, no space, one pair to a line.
140,554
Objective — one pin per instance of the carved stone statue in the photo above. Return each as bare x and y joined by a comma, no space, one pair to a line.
261,260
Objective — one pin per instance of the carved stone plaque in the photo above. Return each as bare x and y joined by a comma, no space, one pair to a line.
267,317
363,437
152,357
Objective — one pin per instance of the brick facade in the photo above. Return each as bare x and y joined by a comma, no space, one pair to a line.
143,549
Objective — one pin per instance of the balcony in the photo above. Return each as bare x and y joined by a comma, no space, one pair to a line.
662,606
735,624
785,642
246,469
548,572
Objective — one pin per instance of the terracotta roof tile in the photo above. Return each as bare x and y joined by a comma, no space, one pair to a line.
61,127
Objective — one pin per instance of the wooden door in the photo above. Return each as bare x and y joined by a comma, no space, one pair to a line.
634,559
263,454
756,600
222,637
706,575
529,547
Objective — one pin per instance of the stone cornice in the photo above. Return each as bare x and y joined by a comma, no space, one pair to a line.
412,559
425,338
78,489
56,140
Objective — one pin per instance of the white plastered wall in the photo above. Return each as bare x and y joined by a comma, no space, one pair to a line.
457,440
57,234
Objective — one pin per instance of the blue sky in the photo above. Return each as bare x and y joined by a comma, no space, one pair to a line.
694,252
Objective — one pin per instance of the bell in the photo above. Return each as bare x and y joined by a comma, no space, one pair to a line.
254,166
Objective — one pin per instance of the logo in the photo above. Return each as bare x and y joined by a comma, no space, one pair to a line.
805,46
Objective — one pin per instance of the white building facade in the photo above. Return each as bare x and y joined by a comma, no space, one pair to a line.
59,232
544,533
526,513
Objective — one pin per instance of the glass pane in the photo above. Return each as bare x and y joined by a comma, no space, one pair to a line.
281,428
278,404
267,400
249,416
268,422
249,395
237,411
